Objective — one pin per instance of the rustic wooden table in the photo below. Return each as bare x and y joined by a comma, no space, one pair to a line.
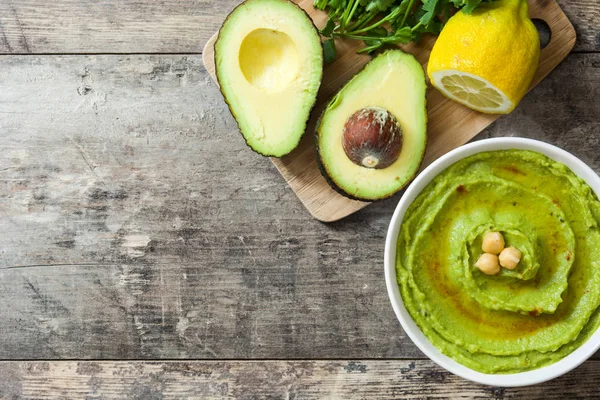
146,252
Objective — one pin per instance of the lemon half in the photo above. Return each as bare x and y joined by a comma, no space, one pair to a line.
472,91
486,60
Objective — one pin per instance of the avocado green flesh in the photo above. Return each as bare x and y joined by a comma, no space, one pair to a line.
394,81
269,64
518,320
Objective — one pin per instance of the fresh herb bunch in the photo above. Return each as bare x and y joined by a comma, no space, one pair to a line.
386,22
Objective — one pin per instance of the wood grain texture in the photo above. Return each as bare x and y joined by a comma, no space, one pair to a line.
449,126
109,26
169,26
136,223
390,379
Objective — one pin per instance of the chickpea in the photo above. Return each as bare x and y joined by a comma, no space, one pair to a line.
488,264
509,257
493,242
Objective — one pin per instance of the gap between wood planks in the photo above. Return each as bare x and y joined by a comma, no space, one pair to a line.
174,54
107,54
216,360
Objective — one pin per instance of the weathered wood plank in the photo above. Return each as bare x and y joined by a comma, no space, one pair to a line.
171,26
109,26
158,233
392,379
136,224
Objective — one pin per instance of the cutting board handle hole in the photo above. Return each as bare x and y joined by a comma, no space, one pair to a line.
544,31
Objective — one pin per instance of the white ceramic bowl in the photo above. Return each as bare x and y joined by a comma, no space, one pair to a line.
410,327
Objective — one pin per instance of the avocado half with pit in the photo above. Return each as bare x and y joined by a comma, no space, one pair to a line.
269,65
371,137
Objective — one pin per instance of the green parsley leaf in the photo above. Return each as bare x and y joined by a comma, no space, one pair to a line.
327,31
470,6
376,5
386,22
329,51
404,35
430,8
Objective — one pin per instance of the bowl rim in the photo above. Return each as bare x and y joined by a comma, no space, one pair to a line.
532,377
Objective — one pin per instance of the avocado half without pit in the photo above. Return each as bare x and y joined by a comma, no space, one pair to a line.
371,137
269,65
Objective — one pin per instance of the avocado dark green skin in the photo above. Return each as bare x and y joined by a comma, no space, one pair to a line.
316,31
323,168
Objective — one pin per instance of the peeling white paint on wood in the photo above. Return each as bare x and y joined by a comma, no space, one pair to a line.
135,244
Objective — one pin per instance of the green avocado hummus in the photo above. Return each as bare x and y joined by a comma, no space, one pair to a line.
520,319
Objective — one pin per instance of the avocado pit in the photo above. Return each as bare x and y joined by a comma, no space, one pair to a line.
372,138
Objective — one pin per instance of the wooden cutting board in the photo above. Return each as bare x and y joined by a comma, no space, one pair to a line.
450,124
